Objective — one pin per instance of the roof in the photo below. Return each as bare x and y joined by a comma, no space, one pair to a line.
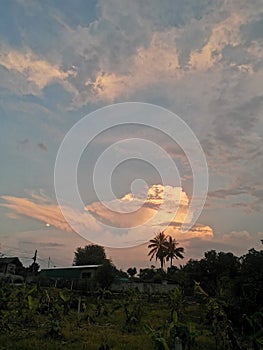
69,272
11,260
71,267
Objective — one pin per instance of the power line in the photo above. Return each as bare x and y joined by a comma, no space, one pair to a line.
12,250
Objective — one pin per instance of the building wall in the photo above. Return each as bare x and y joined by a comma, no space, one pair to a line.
11,269
8,269
69,273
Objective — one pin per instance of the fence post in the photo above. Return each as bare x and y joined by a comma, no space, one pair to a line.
178,344
79,303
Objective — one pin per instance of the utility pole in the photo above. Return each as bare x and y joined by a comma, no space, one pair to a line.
35,256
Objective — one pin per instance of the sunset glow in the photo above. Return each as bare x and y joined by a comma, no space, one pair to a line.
201,61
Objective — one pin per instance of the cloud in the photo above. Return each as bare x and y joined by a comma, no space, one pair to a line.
161,54
224,193
33,69
164,202
202,61
139,217
37,209
224,33
130,48
157,62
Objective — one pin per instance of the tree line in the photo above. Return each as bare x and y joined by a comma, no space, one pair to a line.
229,287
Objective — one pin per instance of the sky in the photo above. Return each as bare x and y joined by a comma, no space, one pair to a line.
61,60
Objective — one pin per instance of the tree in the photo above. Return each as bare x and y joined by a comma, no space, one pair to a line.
147,274
92,254
132,271
105,274
33,268
172,251
157,248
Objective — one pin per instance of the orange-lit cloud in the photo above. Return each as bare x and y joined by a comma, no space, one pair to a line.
60,242
40,208
131,211
224,33
33,68
140,217
37,208
157,62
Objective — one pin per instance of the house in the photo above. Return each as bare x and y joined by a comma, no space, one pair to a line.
75,275
70,272
11,270
10,266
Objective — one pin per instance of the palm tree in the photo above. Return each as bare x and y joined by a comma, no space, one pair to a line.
157,248
172,251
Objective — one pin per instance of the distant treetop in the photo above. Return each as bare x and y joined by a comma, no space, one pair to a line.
92,254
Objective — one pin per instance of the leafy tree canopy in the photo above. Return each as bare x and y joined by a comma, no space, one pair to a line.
92,254
132,271
105,274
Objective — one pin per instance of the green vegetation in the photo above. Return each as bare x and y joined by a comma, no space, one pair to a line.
33,318
215,303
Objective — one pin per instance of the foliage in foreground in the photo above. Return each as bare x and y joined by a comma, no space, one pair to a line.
48,318
219,305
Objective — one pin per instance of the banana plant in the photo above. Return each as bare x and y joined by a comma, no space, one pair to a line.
176,302
175,335
158,338
255,323
221,325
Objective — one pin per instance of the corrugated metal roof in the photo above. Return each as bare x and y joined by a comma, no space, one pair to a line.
70,272
71,267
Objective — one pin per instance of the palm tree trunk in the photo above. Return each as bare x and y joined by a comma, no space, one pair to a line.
171,261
